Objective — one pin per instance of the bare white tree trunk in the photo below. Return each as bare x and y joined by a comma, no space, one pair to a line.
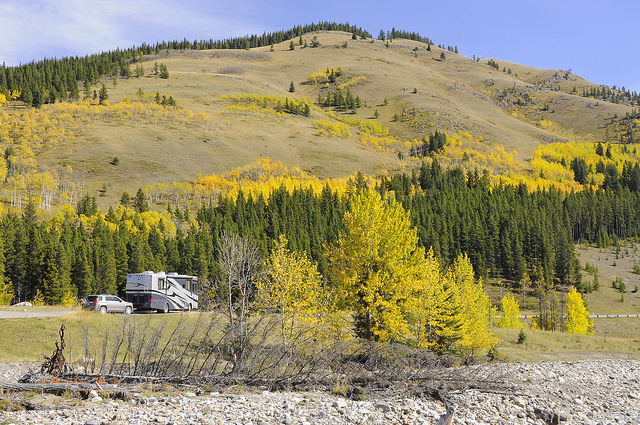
240,261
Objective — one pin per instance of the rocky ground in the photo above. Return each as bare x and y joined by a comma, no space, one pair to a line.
583,392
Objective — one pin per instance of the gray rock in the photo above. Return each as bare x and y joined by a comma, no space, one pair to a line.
519,401
340,404
385,407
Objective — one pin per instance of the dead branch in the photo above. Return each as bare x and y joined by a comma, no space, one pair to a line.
447,418
61,387
56,365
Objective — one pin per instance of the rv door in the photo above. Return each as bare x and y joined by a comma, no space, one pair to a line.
162,286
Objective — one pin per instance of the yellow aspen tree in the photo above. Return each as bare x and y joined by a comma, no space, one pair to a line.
69,299
3,169
510,313
432,308
38,299
290,288
373,263
6,293
578,321
475,308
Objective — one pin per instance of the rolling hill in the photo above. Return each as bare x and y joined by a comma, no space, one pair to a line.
495,116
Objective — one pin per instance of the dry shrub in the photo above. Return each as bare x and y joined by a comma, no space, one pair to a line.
239,54
232,70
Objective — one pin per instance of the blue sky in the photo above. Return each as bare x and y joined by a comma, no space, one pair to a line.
596,39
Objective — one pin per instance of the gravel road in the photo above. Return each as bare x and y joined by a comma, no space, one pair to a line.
24,313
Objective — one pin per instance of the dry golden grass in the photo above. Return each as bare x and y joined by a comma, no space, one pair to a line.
611,266
451,95
26,339
566,347
612,337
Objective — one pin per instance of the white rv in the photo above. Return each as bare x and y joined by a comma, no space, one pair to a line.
162,291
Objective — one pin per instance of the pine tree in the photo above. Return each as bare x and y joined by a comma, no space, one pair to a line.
34,252
164,71
103,96
104,258
611,178
140,202
125,200
292,88
57,274
121,258
38,99
580,170
82,270
87,206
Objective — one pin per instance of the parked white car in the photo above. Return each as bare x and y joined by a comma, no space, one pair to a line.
107,304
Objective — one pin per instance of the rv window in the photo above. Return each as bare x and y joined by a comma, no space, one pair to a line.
161,284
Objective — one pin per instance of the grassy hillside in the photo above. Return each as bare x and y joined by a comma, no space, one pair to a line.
499,118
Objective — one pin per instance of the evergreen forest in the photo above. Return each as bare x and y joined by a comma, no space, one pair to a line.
506,231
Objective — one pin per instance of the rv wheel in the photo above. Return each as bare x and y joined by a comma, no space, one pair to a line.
166,308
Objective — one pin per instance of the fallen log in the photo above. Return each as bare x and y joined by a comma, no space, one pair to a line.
61,387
